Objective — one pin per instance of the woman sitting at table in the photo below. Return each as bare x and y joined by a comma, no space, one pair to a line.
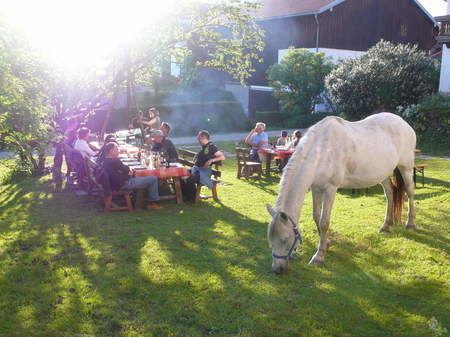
82,144
119,176
295,140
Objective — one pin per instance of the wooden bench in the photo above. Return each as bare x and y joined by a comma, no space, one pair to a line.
419,168
186,158
246,167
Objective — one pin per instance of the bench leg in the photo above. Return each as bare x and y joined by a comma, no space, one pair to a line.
214,192
197,193
128,202
107,201
415,177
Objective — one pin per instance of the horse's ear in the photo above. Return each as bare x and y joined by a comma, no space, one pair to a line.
283,216
271,211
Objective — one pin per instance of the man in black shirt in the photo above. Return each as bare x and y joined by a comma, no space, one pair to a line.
208,155
119,176
164,145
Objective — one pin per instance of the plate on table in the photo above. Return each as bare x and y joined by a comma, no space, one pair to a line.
139,167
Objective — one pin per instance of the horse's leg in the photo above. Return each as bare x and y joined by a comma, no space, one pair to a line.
317,208
407,174
327,204
388,192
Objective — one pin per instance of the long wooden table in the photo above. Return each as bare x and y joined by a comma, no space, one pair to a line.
174,172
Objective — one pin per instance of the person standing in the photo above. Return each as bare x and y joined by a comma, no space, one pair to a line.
154,122
258,140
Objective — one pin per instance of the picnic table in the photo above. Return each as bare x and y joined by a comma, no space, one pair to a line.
271,154
174,172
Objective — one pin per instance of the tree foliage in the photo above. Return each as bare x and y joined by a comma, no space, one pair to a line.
387,76
298,80
25,110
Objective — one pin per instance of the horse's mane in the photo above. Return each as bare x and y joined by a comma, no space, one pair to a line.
301,152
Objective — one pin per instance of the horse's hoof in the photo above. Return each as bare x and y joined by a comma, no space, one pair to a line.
385,230
316,261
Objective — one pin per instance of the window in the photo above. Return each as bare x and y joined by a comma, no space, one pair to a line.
403,30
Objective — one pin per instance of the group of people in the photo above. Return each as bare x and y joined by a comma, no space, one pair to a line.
155,140
259,140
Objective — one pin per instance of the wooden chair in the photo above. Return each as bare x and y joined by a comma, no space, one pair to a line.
102,178
186,157
419,168
245,167
107,200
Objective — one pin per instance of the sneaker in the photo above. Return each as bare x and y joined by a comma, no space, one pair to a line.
154,207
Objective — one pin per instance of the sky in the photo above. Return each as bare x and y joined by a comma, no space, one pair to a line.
77,34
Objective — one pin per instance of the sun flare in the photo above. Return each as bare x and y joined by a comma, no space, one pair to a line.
75,35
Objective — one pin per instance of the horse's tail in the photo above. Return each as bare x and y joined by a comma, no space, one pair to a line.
398,187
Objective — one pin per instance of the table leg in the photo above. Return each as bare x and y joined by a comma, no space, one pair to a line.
268,160
179,195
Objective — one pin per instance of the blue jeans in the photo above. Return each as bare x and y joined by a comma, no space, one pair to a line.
150,183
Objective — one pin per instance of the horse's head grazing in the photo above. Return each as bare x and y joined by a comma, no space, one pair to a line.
282,239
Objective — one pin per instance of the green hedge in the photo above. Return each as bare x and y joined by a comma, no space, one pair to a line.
269,117
282,120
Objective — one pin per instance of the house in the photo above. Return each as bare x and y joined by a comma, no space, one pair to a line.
444,38
340,28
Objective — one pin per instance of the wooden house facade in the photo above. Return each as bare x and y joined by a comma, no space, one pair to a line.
337,27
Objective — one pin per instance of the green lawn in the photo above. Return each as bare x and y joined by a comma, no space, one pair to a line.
66,268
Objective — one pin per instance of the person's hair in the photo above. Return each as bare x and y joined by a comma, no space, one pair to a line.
204,133
82,132
105,150
261,125
110,138
166,125
154,110
298,132
284,133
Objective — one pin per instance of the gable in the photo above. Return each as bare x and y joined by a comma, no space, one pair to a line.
288,8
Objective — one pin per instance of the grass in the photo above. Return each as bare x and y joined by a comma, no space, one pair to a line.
203,270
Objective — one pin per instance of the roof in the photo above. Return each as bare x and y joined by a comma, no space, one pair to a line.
286,8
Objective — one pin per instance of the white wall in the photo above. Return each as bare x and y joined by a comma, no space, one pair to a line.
445,66
335,54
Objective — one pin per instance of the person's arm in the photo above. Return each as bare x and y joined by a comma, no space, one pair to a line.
84,146
93,147
218,156
151,122
248,139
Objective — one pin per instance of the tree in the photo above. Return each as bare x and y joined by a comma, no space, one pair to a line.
25,110
389,75
298,80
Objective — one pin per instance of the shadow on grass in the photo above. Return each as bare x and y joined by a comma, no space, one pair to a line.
192,270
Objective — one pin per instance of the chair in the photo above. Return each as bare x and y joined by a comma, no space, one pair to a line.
245,167
102,177
186,157
419,168
77,164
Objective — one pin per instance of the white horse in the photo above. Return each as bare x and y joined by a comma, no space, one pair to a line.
334,154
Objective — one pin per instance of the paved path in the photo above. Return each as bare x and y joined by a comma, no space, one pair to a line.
229,137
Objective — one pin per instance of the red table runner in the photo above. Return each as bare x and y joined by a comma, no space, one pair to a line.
279,154
163,172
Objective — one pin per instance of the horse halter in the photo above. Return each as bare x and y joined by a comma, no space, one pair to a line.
298,238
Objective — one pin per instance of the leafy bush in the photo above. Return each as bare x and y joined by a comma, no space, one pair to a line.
430,118
388,76
12,170
298,80
303,121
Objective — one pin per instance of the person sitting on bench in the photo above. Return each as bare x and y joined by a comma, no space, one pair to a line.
119,176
